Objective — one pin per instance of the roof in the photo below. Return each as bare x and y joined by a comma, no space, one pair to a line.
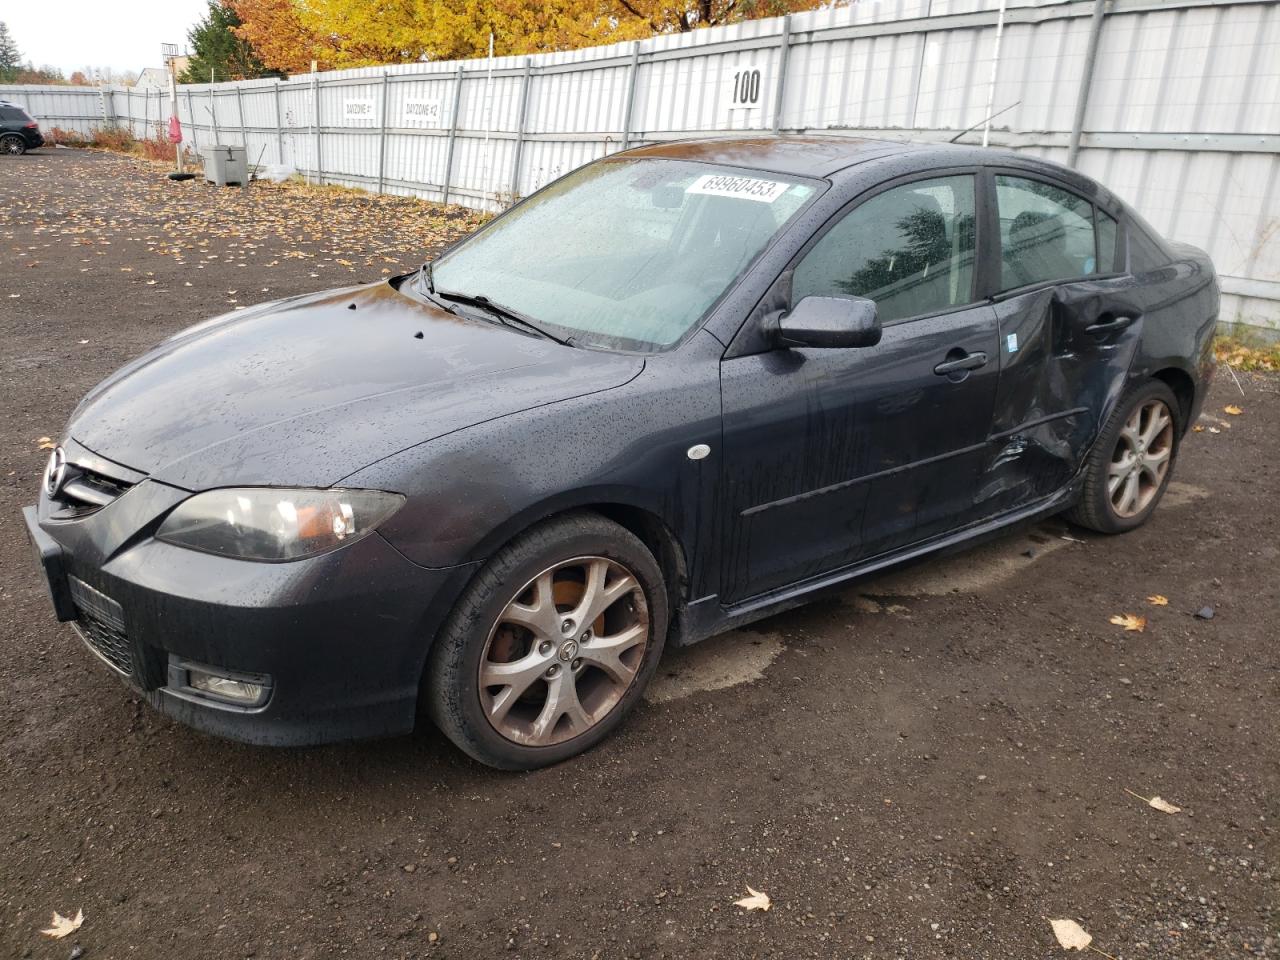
803,156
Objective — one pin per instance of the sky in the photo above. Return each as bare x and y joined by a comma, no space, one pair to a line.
123,35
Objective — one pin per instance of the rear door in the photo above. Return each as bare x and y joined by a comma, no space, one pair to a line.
1069,329
835,455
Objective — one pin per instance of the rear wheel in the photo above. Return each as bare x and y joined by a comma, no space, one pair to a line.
1132,461
13,145
551,646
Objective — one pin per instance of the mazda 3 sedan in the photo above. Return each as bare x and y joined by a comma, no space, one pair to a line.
675,391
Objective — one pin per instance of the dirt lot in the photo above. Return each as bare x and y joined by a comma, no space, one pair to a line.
927,766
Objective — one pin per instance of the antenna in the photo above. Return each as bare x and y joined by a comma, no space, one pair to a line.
984,120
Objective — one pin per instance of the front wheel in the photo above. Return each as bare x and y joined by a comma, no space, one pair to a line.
13,146
1131,463
551,646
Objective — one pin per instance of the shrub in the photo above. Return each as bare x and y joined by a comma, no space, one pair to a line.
157,146
113,138
68,138
121,140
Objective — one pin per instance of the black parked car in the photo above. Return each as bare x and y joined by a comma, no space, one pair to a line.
675,391
19,131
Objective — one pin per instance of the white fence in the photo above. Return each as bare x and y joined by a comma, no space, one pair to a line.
1181,97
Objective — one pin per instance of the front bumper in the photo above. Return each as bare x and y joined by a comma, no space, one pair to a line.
342,636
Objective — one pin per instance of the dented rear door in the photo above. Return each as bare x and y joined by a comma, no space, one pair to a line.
1065,353
1070,322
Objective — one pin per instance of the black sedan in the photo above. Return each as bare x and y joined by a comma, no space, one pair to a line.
677,390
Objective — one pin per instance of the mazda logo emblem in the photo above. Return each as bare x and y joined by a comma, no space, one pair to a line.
55,472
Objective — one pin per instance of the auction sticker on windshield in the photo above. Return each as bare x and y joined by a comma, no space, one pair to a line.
745,188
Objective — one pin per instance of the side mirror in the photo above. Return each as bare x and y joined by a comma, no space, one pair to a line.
830,322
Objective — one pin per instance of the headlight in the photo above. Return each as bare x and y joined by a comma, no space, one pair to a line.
261,523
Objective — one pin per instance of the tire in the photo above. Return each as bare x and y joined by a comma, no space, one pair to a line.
515,621
1107,509
13,146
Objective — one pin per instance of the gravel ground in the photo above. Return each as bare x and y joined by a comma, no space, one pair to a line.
928,765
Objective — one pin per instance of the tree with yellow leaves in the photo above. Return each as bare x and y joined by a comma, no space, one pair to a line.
275,30
288,34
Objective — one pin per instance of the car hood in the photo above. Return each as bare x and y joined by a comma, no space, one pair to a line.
307,391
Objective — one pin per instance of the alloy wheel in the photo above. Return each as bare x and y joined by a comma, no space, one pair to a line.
1141,459
564,651
13,146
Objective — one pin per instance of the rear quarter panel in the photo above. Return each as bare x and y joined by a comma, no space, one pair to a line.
1180,303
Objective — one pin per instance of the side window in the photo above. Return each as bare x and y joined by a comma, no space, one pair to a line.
910,249
1107,228
1045,233
12,113
1144,252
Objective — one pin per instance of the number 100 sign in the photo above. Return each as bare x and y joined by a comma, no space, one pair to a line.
746,87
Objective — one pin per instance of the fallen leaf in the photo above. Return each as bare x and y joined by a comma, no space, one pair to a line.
757,901
1164,806
60,926
1196,429
46,443
1233,410
1071,935
1130,622
1158,600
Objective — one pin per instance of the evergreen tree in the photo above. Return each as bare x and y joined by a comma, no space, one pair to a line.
9,56
217,53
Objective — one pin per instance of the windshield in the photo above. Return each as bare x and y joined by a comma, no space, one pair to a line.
624,254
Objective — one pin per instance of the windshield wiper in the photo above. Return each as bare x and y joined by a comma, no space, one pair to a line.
427,288
503,313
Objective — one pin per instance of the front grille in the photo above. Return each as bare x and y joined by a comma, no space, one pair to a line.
101,626
86,482
85,492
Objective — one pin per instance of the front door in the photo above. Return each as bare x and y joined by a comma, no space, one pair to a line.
836,455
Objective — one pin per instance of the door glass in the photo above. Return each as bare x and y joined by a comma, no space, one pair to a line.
910,249
1045,233
1106,244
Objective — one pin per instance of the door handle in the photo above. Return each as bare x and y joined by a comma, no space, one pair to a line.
1108,326
970,361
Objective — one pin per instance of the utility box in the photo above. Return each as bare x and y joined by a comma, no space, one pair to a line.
225,164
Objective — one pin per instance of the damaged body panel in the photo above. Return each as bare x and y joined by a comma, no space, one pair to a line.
1074,346
769,365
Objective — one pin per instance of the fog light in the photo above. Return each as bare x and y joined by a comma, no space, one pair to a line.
245,693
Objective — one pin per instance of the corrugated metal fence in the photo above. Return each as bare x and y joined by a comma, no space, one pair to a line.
1182,115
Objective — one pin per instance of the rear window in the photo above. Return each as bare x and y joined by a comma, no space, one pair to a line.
14,113
1046,233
